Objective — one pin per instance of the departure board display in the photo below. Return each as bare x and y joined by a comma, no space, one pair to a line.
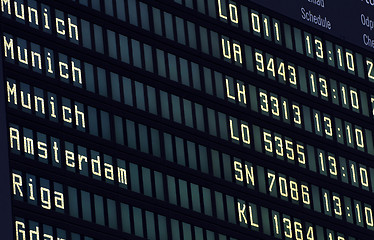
187,119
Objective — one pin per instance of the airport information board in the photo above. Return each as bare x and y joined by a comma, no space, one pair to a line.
187,119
